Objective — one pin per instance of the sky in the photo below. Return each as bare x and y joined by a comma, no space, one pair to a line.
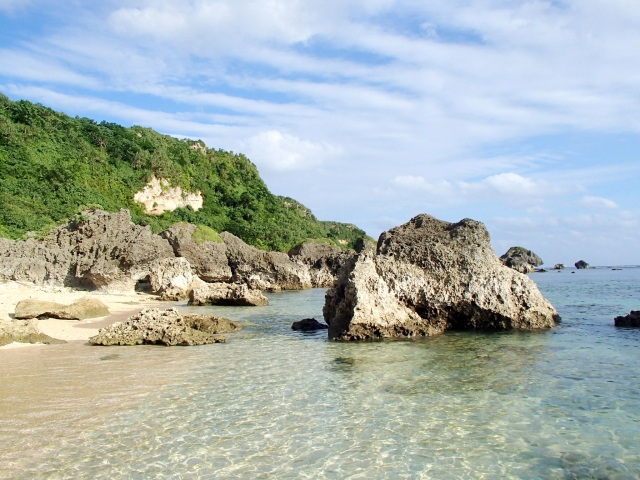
524,115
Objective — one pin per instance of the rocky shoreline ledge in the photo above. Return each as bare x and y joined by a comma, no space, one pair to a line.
422,278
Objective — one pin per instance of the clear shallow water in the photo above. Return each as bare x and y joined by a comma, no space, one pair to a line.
272,403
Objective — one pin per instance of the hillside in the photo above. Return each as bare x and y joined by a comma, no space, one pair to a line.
53,166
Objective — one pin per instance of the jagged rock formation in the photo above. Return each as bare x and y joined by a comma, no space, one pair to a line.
173,279
308,325
100,250
323,261
581,265
631,320
227,294
23,331
559,266
108,252
165,327
81,310
208,259
521,260
271,271
428,276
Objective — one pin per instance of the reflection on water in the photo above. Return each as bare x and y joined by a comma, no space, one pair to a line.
273,403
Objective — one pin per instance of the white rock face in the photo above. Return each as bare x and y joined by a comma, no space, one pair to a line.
159,197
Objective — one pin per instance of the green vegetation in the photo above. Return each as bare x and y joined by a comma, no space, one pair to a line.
203,234
53,166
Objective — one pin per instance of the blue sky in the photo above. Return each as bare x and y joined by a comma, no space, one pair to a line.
522,114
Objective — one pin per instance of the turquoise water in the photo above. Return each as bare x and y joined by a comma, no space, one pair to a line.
273,403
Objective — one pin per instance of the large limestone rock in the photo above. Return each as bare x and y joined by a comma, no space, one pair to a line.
112,253
429,276
164,327
521,260
323,261
81,310
272,271
173,279
208,259
227,294
23,331
97,250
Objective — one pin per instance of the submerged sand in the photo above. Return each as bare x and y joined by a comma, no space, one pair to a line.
121,306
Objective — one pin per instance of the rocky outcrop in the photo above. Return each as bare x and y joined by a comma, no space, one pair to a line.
581,265
521,260
96,250
23,331
164,327
227,294
81,310
559,266
271,271
429,276
208,259
631,320
323,261
308,325
172,279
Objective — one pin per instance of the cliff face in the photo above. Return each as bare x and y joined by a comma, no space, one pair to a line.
428,276
108,252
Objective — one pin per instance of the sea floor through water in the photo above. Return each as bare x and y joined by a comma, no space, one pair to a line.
274,403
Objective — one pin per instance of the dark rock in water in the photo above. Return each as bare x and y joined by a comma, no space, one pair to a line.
540,270
616,269
631,320
323,260
207,259
521,259
559,266
308,325
271,271
164,327
581,264
429,276
227,294
23,331
80,310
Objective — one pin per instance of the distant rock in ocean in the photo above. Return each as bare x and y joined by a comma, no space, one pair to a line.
428,276
581,264
631,320
521,260
559,266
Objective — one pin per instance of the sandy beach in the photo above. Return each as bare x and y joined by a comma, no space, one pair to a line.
120,306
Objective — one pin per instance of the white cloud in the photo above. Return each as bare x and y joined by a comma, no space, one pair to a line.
508,186
281,151
597,202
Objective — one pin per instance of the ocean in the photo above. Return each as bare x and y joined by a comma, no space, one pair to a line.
274,403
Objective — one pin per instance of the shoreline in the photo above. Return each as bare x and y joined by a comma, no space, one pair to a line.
121,306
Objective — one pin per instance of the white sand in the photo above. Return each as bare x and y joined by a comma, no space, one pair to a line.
120,306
